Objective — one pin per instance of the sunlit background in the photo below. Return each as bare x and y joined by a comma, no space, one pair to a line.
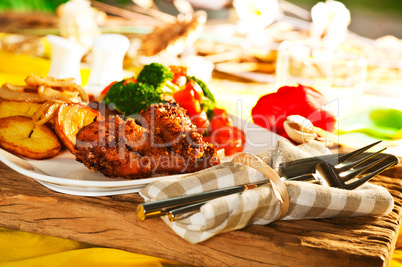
371,18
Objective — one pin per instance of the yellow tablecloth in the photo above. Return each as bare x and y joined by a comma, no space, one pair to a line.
25,249
18,248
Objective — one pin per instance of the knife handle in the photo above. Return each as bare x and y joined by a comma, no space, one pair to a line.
174,213
162,207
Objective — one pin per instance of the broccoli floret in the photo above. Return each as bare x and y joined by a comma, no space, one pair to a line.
158,76
132,98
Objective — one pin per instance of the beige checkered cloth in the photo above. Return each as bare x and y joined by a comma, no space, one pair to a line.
260,205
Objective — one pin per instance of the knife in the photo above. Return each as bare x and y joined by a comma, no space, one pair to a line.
165,206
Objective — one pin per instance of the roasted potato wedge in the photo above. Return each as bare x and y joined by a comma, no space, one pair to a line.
70,118
19,135
16,108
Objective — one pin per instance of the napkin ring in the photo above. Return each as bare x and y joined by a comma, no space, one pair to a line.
278,186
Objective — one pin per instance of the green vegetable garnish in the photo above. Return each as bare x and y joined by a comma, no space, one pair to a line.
158,76
154,81
132,98
208,103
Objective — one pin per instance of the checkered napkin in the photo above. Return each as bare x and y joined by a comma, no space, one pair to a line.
260,205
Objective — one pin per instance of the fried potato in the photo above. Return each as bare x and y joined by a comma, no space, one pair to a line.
70,118
19,135
16,108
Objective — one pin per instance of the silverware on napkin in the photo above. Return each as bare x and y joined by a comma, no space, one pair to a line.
174,206
299,170
348,167
307,166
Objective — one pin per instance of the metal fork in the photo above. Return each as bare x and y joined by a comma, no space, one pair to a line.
338,175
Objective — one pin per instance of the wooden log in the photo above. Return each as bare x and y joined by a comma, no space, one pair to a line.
112,222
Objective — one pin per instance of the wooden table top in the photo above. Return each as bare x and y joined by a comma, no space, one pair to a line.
112,222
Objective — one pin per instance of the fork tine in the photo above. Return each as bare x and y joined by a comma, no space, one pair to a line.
347,156
357,162
368,177
356,172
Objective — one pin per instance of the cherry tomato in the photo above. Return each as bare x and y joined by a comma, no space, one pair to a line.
217,123
220,120
107,88
224,134
194,86
130,80
201,121
220,112
231,138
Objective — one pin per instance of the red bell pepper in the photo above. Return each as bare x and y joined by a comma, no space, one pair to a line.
179,80
186,99
196,88
271,110
179,75
178,70
129,80
190,98
107,88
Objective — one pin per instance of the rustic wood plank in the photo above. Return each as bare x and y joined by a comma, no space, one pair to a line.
112,222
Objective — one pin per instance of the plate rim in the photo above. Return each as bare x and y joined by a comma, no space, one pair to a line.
66,181
89,193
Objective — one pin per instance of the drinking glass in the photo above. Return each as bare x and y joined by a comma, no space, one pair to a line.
338,72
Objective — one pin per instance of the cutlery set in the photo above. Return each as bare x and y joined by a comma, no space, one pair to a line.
339,174
346,171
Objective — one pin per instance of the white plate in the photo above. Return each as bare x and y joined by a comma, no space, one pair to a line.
65,175
91,191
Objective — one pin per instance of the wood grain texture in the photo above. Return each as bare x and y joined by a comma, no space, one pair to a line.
112,222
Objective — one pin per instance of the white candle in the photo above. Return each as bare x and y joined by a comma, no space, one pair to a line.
65,58
107,65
